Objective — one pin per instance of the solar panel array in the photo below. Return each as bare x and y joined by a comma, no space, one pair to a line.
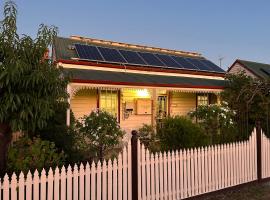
112,55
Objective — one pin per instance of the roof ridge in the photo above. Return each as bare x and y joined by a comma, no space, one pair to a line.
134,46
252,62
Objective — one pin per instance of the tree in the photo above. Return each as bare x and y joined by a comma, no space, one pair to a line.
100,131
250,99
30,86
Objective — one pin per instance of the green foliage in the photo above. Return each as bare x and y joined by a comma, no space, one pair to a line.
64,137
148,137
27,154
215,120
180,132
250,99
100,132
30,86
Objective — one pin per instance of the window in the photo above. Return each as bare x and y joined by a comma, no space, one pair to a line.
202,99
109,101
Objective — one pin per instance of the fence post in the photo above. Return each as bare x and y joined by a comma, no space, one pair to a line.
134,161
259,150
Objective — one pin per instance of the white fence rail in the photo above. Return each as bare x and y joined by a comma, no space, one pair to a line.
108,180
169,175
187,173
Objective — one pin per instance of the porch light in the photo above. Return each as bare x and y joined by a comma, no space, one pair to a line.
143,93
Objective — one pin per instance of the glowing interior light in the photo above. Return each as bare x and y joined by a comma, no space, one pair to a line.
143,93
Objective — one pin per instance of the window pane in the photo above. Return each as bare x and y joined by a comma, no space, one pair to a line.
108,101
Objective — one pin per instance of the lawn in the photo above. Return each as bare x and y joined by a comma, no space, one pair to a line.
251,192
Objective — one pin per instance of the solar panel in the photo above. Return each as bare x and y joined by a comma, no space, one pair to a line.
111,55
132,57
105,54
212,65
168,61
88,52
184,63
150,59
198,64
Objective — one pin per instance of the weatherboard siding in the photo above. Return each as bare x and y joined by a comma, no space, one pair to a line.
83,102
134,121
182,103
237,68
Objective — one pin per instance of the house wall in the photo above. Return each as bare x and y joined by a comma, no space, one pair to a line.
133,121
236,68
182,103
83,102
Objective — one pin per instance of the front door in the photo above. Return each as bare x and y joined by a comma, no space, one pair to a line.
161,107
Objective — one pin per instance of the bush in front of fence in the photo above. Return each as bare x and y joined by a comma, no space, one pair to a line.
100,134
180,132
31,154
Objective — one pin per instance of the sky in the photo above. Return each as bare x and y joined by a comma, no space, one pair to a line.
231,29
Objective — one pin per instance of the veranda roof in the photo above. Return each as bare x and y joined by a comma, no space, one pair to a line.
135,79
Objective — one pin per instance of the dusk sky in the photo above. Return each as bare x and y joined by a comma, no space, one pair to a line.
216,28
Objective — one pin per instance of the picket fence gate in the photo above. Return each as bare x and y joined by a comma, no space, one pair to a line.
139,174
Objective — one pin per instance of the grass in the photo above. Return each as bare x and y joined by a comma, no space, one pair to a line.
250,192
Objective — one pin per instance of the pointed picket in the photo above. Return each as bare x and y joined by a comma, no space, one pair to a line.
125,183
169,189
157,192
152,172
43,182
104,180
177,179
69,183
165,176
114,179
199,165
56,184
161,173
185,175
21,186
110,192
195,169
148,184
36,185
143,176
139,154
13,187
93,181
81,182
192,172
99,180
6,188
173,176
181,175
129,168
87,181
50,185
120,177
63,183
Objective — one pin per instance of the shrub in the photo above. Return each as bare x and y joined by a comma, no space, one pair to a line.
179,132
100,132
64,137
147,136
27,154
216,121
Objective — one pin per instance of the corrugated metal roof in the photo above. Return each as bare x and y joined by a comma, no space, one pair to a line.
108,77
260,69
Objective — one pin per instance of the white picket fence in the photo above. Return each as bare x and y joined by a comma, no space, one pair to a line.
169,175
265,143
187,173
108,180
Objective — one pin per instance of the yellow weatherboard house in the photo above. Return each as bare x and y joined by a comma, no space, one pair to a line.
136,84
